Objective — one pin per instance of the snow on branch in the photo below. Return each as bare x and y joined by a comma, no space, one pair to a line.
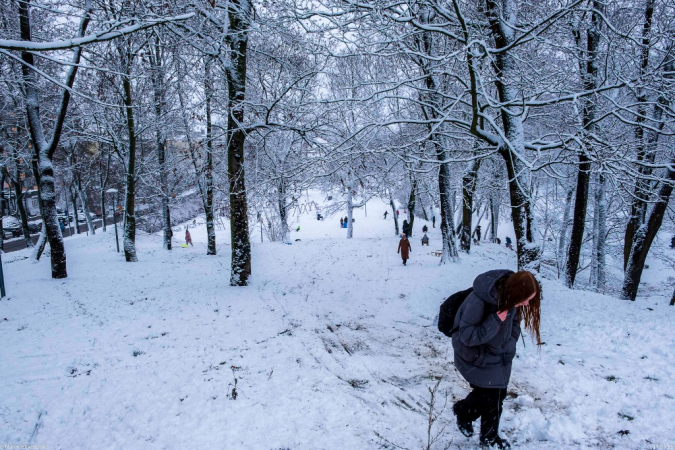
10,44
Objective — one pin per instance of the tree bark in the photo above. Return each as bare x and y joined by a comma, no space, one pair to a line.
645,152
393,214
562,240
645,236
157,76
469,183
103,182
511,151
589,82
76,216
207,197
601,205
130,216
494,217
2,209
283,212
239,12
44,150
18,193
411,205
447,226
85,206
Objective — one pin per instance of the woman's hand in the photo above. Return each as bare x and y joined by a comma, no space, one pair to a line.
502,315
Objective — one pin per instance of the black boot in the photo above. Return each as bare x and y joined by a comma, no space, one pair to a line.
465,426
489,420
494,442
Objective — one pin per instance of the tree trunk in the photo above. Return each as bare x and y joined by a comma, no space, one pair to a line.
411,206
76,216
447,226
283,212
102,202
44,150
130,202
601,205
562,240
18,193
645,236
350,212
494,217
42,239
645,152
588,112
469,183
522,211
3,205
449,251
85,207
393,213
207,197
157,77
103,183
594,233
239,12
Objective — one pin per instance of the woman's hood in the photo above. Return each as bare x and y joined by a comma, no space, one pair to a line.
485,284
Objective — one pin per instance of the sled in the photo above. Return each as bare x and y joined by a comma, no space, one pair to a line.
184,245
437,253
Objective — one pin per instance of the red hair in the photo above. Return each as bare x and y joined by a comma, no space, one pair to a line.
517,288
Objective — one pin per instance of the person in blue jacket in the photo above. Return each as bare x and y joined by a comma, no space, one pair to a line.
488,328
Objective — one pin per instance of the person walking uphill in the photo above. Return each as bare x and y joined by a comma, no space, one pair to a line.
405,229
404,248
486,330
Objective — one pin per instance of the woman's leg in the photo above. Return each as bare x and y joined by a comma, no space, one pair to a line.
470,409
493,401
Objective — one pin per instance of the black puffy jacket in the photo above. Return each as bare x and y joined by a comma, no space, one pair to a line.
484,345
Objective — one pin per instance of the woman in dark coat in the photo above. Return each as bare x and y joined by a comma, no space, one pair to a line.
404,248
406,228
488,328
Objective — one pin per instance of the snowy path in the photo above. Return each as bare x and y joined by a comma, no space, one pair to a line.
331,346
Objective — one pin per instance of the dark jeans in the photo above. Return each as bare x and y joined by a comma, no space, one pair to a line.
485,403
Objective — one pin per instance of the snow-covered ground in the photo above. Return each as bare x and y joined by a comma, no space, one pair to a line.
331,347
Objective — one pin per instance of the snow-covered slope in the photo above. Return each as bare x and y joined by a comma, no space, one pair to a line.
331,347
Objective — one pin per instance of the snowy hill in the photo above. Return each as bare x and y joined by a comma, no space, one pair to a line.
332,346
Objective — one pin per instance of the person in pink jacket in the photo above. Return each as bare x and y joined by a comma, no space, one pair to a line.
188,238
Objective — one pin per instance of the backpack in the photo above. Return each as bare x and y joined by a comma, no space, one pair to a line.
448,312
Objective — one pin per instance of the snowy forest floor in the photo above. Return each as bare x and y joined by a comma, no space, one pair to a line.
332,346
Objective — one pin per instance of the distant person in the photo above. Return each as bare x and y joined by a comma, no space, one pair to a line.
385,215
404,248
478,232
319,216
487,328
298,229
433,221
406,228
397,213
425,229
62,227
342,222
188,238
425,240
672,242
508,243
